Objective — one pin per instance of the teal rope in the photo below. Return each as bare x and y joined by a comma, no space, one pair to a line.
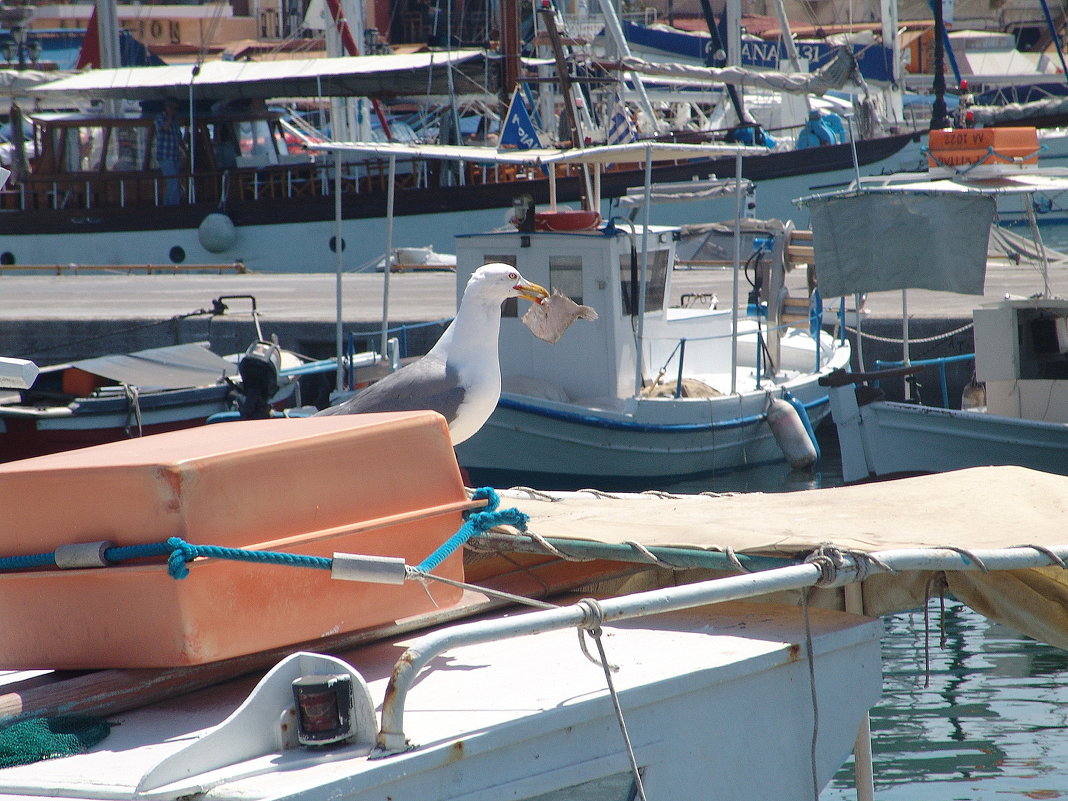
28,561
182,552
475,523
179,552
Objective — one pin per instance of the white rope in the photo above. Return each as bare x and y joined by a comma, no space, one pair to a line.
922,341
595,615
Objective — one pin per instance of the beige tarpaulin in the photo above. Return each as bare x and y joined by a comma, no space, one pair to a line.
978,508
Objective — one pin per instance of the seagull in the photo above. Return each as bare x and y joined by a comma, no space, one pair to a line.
460,377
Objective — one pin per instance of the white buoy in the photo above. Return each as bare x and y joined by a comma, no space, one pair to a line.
790,433
217,232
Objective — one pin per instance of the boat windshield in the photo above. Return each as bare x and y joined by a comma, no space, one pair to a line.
656,286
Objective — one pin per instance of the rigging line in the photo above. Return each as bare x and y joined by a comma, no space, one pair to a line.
594,629
810,659
499,594
207,36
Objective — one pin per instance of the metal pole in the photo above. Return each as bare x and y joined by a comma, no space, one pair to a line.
640,344
389,251
863,768
737,268
1029,202
860,339
340,266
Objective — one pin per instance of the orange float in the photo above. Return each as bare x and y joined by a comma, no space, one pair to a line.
378,484
955,149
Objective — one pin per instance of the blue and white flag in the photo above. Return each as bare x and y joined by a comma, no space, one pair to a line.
620,128
518,131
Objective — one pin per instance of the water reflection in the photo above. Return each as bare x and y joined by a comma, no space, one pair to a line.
988,720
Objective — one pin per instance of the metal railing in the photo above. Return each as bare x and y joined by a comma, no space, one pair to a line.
939,362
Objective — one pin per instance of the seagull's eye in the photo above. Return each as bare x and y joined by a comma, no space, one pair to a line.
513,276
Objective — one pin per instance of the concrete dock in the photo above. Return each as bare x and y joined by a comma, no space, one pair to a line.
53,319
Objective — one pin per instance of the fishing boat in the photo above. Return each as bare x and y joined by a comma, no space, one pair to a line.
645,391
1020,343
420,698
121,395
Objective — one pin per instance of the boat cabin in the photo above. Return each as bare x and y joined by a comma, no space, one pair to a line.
594,362
78,160
1021,352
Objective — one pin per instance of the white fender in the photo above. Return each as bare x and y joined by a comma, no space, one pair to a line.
217,232
790,434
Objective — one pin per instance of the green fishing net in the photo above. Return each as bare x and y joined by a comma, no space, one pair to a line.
46,738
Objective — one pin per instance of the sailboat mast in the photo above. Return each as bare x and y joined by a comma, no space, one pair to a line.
107,26
939,115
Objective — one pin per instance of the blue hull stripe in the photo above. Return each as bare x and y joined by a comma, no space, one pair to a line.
621,425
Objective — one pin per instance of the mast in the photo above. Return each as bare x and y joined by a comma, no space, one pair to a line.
939,115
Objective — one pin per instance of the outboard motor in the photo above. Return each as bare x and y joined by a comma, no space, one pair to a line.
259,368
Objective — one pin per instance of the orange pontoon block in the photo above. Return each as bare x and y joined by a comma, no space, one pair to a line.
379,484
955,148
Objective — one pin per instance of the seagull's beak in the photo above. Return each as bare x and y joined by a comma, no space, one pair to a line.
531,291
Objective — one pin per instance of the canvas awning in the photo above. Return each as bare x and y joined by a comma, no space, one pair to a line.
832,75
605,154
876,241
172,367
978,508
356,76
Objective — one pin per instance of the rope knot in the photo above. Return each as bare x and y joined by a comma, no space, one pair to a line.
181,552
490,516
592,616
829,560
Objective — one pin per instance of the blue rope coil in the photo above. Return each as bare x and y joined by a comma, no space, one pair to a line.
179,552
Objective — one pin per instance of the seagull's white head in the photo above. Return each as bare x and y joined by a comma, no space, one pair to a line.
502,281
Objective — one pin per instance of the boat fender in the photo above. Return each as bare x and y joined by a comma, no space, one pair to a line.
790,434
217,232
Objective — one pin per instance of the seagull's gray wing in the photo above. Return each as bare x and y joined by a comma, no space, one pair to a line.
425,384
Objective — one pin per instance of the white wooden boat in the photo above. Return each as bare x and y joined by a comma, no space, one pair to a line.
1024,420
645,391
640,396
693,695
1021,349
117,396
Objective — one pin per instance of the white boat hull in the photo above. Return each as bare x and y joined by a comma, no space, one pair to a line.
706,695
163,237
885,438
662,438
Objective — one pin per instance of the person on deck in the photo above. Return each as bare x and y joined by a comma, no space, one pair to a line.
169,149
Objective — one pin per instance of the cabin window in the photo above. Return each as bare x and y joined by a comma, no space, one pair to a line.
66,145
655,288
92,148
565,275
125,150
256,144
